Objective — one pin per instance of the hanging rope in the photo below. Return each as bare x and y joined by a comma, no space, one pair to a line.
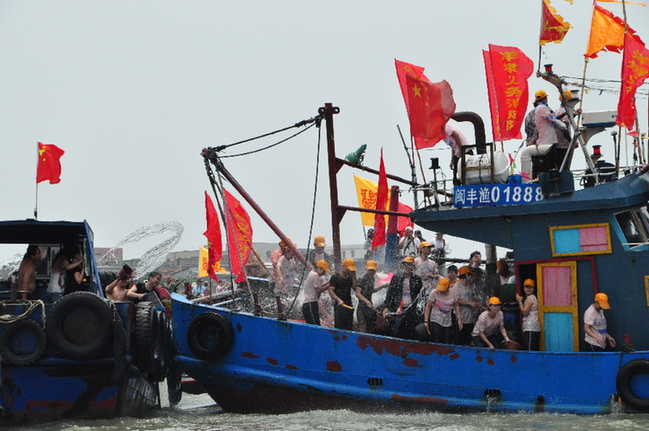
315,192
269,146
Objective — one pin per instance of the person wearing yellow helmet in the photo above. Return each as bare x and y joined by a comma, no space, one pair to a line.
596,337
341,286
403,292
490,329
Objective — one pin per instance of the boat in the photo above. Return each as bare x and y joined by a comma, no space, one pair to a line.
81,357
574,243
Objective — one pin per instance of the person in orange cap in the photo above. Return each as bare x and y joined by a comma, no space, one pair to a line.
490,326
318,252
367,285
465,292
596,337
341,286
403,292
439,309
529,308
426,268
313,286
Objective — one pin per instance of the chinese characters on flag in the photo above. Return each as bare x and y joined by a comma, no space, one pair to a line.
433,105
239,231
510,68
635,69
49,163
366,191
553,27
213,235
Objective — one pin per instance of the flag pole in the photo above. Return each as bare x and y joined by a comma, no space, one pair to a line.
36,203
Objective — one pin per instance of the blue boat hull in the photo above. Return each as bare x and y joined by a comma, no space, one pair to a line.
278,366
58,389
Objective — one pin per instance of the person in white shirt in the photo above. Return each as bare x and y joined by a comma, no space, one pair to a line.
313,286
596,337
490,326
529,308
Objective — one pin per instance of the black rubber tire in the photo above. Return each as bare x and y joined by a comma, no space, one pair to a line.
166,345
174,383
623,384
79,326
210,336
147,340
31,338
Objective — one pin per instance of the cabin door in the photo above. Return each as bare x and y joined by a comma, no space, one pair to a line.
558,311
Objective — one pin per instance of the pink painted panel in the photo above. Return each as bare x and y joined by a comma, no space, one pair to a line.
557,290
593,238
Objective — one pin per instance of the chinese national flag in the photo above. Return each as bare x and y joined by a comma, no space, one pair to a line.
635,69
606,33
213,235
430,106
49,163
403,70
553,27
511,68
381,204
239,236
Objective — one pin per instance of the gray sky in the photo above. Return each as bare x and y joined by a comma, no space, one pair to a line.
132,91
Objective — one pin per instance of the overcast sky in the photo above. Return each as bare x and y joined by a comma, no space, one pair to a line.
133,90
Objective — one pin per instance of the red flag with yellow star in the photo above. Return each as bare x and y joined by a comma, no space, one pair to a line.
49,163
635,69
430,106
213,235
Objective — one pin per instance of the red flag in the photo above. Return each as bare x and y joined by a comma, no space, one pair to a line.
381,204
213,235
430,106
406,69
635,69
511,68
239,236
553,27
402,222
491,92
49,163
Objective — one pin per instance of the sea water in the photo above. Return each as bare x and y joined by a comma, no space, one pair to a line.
198,412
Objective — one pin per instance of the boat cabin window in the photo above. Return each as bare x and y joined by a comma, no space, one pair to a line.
635,226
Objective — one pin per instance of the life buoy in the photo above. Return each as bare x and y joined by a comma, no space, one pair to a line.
210,336
623,384
79,326
22,342
147,339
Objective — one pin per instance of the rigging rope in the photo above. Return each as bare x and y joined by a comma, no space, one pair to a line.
267,147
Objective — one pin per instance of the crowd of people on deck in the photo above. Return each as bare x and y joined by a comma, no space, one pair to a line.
425,299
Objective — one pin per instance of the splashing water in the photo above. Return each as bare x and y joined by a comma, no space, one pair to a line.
155,256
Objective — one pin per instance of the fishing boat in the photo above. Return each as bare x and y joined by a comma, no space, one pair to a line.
574,243
81,357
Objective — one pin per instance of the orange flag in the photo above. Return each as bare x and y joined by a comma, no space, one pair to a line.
49,163
213,235
635,69
606,33
239,236
553,27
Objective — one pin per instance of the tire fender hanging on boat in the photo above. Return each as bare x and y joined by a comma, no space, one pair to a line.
22,342
79,326
148,341
210,336
624,387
